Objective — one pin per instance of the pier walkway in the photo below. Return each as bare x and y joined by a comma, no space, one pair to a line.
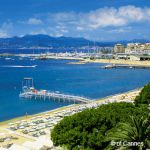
43,94
29,92
111,66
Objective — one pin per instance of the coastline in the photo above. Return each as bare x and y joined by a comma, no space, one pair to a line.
2,123
81,61
114,61
87,60
25,139
101,100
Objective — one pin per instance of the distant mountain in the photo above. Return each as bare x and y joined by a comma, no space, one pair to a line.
133,41
45,41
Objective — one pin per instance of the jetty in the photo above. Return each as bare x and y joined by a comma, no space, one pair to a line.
111,66
29,92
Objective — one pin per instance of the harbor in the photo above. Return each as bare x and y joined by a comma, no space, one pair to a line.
74,75
119,59
43,103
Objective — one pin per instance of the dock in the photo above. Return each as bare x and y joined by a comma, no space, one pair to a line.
111,66
29,92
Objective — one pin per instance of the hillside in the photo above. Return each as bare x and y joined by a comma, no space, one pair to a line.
46,41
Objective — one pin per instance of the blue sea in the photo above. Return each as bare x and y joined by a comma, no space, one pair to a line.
87,80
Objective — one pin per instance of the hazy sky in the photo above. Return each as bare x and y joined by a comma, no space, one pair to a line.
103,20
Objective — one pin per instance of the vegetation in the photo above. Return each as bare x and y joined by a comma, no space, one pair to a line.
92,58
135,132
144,96
93,129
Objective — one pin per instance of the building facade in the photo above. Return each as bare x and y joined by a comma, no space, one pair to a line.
137,48
119,48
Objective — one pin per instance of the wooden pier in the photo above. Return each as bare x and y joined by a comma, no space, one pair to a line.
29,92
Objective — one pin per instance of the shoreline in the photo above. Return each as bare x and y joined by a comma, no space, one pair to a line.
81,60
36,114
51,118
65,107
119,61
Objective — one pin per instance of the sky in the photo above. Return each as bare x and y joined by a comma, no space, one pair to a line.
100,20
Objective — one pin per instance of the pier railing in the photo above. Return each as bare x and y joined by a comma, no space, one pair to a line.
43,94
29,92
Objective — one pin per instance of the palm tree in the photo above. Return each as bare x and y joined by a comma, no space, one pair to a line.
137,130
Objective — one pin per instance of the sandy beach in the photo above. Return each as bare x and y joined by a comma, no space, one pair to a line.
114,61
15,129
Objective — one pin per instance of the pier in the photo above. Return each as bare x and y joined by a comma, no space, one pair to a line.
29,92
111,66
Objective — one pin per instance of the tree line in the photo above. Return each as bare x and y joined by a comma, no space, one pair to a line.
96,129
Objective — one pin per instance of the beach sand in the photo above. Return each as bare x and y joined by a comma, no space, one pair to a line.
4,126
120,61
121,96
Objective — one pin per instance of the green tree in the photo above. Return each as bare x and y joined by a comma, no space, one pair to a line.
144,96
137,130
88,129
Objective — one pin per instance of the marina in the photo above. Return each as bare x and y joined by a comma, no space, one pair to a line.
60,55
74,75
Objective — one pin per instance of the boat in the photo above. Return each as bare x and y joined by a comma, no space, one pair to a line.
32,59
43,58
20,58
131,67
109,66
7,58
17,66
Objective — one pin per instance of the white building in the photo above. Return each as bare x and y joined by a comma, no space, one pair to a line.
119,48
137,48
